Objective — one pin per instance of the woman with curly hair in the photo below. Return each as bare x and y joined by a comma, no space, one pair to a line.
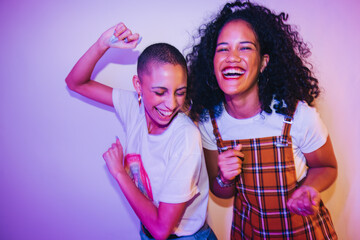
252,93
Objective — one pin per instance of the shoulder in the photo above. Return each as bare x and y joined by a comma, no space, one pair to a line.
183,122
126,106
123,95
305,114
206,123
304,108
184,129
124,99
308,129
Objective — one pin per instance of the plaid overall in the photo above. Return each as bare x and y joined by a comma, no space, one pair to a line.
265,184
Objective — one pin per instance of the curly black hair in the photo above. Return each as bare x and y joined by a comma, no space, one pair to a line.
286,78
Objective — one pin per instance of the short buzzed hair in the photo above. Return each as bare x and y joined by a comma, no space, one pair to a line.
161,53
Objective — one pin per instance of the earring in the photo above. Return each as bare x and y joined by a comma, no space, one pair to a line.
139,99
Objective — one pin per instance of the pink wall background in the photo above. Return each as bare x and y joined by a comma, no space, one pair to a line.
53,181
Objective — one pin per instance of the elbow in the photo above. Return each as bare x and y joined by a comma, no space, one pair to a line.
160,231
221,192
335,172
332,171
161,234
70,84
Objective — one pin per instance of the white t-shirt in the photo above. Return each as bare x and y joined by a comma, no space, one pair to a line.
173,160
308,132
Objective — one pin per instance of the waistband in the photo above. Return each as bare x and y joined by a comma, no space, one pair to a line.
172,236
148,234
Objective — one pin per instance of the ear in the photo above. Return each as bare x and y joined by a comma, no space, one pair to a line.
137,84
264,62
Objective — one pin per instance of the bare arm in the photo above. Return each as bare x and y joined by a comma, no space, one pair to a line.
79,80
159,221
227,165
322,172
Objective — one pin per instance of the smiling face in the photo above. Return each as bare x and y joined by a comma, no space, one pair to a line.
163,91
237,60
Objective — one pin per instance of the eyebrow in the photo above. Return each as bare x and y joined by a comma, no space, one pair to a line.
242,42
181,88
164,88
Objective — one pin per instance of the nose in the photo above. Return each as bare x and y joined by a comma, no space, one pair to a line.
171,102
233,56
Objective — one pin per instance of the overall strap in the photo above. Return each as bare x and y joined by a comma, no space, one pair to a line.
288,120
282,141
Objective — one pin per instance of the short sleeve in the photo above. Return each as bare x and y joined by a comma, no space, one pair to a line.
311,132
182,174
207,136
125,104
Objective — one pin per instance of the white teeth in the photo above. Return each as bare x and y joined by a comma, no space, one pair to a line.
164,113
232,71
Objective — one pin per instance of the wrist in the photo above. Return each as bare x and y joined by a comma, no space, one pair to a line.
101,45
224,182
310,188
120,175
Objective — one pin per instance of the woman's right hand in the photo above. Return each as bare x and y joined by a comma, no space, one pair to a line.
304,201
114,159
119,36
230,163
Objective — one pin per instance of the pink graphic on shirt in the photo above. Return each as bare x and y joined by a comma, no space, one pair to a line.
136,170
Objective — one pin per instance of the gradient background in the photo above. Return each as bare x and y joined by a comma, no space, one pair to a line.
53,181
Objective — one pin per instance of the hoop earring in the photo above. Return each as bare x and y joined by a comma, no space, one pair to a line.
139,99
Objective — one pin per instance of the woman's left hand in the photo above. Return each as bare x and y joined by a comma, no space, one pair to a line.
114,159
304,201
119,36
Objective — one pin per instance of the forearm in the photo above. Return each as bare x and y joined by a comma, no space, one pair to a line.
142,206
221,191
146,211
320,178
211,157
81,72
161,220
322,170
79,80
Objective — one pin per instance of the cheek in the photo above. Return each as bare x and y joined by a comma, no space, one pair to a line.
217,65
216,61
181,100
150,100
254,62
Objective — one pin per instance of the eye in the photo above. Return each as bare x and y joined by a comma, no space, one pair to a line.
159,93
221,49
181,93
245,48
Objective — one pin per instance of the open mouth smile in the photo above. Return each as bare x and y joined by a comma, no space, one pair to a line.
164,113
232,72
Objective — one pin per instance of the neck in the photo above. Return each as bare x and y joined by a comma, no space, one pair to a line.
153,127
241,107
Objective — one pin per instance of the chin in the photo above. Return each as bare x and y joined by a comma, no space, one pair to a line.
231,91
163,123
